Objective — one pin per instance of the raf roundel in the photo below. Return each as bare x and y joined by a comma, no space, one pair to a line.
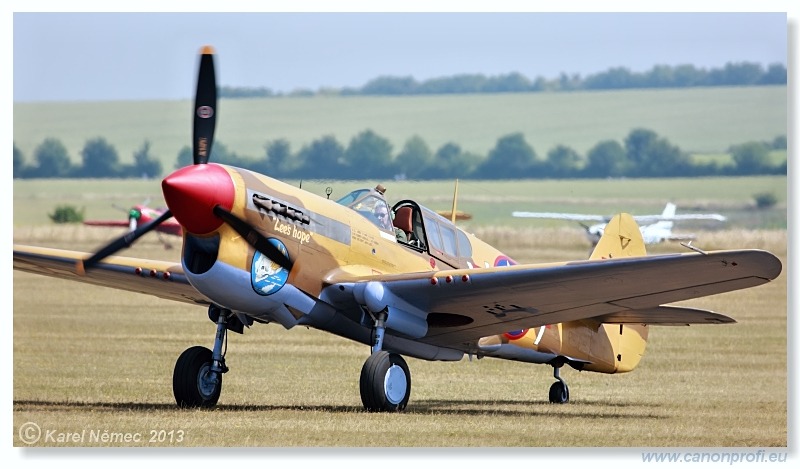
515,335
504,261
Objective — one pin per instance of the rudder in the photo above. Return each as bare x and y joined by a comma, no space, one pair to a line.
621,238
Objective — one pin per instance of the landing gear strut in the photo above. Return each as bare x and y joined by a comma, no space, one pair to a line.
197,378
559,392
385,379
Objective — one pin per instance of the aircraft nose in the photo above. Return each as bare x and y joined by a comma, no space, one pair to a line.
192,192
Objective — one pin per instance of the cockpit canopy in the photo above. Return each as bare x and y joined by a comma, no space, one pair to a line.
436,234
371,204
425,230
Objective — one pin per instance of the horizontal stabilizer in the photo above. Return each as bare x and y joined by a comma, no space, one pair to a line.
488,348
665,316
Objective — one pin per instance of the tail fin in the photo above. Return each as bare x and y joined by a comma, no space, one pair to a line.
621,238
669,214
669,210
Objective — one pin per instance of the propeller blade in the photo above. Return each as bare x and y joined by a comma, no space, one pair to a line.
205,108
205,119
256,239
120,243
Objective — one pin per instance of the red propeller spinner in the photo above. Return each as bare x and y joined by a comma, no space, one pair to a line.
192,193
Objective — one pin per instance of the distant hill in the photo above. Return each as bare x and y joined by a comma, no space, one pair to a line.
616,78
698,120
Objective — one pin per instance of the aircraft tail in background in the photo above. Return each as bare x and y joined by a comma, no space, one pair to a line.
621,238
655,228
667,216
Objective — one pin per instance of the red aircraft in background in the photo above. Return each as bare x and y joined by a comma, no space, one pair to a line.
141,214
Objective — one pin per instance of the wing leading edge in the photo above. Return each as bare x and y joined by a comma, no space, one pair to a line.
461,306
157,278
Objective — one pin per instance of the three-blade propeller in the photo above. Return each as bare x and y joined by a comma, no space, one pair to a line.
205,118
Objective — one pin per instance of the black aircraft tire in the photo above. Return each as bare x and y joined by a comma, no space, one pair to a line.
385,383
559,393
187,385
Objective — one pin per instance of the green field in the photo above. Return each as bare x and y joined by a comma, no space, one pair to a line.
95,359
92,359
698,120
490,202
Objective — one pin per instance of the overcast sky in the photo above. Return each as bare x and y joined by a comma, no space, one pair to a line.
102,56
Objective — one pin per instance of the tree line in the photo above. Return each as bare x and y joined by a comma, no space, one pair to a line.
616,78
643,153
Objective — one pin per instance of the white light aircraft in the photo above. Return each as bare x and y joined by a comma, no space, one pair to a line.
657,230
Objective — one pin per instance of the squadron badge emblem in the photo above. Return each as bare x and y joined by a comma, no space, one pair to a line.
267,277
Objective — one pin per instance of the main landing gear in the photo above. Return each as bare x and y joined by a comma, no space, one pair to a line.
385,379
559,392
197,378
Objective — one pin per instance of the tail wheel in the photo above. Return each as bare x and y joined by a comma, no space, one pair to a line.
193,383
385,383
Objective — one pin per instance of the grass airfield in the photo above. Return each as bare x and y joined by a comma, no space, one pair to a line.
98,362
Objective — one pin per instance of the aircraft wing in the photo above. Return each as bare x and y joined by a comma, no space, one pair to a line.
169,227
158,278
679,217
459,307
476,303
604,219
561,216
681,237
107,223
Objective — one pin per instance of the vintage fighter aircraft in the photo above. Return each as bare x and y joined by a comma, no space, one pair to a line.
141,214
657,230
257,250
